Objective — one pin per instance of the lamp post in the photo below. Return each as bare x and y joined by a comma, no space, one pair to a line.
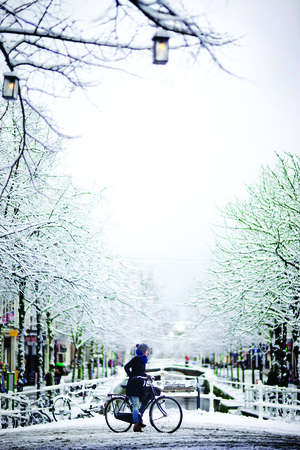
10,89
161,47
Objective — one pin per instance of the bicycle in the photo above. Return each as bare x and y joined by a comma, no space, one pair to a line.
61,409
38,414
165,413
24,412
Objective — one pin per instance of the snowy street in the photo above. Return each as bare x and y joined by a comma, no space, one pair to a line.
198,431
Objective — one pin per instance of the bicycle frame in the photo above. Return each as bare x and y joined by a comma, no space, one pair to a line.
86,409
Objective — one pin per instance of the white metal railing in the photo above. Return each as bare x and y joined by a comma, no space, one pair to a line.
16,409
269,402
273,401
264,401
13,410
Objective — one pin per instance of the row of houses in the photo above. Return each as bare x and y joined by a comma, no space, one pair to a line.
64,352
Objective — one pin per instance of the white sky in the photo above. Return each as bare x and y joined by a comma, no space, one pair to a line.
181,139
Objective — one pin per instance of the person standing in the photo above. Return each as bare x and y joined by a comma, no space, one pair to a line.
135,368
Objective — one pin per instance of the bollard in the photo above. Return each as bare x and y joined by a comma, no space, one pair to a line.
83,391
276,400
198,393
260,400
62,387
112,383
10,407
211,397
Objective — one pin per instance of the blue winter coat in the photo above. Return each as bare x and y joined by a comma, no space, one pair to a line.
134,368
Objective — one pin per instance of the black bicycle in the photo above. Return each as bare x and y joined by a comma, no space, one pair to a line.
165,413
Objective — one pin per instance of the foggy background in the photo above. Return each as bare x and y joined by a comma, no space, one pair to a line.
174,142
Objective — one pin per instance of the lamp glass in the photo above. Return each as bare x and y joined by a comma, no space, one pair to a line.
10,87
161,48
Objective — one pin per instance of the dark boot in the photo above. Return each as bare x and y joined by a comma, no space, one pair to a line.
141,424
136,427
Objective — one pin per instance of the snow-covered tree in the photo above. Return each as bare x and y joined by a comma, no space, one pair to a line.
53,257
46,250
253,286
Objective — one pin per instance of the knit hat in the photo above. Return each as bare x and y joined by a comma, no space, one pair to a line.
142,348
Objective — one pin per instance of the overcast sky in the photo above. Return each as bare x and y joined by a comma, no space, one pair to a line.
178,140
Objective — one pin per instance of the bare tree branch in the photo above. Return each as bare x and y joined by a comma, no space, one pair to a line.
41,40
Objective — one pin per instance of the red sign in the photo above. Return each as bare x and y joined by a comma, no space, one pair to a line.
31,338
8,317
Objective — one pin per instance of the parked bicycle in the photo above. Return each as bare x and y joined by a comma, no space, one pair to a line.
38,409
22,412
62,404
165,413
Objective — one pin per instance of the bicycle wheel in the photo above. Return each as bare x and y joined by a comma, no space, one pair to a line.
165,414
7,421
97,405
61,409
46,417
37,417
114,407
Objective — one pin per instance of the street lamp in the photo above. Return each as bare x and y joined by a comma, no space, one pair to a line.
161,47
10,86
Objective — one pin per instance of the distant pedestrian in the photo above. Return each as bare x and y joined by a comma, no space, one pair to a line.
57,375
48,379
272,378
2,385
186,360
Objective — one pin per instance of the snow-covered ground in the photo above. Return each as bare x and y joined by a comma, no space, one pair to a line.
198,430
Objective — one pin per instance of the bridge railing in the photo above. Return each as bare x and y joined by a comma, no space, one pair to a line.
273,401
268,402
259,400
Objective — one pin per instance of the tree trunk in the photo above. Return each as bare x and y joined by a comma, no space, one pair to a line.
253,366
1,327
21,345
91,361
82,362
260,363
51,347
295,357
97,350
40,340
276,354
79,363
271,349
51,354
106,365
75,364
280,355
283,360
238,368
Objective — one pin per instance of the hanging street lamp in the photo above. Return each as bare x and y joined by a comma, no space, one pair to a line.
10,89
161,47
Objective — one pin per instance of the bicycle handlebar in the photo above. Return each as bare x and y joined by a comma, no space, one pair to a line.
147,377
91,386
